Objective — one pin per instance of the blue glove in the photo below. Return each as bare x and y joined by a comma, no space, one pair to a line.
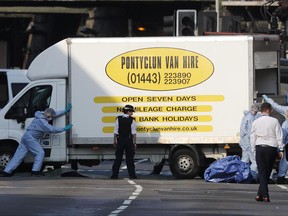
265,97
69,107
68,127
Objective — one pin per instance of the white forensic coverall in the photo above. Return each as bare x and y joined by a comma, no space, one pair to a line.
30,141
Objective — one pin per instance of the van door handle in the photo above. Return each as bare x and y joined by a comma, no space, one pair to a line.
23,125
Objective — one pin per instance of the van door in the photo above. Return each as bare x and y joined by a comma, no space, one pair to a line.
21,113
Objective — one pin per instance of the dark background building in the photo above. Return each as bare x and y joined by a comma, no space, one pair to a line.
29,27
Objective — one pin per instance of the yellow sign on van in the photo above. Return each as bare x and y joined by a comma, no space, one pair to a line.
159,69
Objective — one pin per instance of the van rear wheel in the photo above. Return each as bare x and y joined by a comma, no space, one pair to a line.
183,164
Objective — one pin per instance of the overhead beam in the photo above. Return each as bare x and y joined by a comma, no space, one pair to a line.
35,10
95,3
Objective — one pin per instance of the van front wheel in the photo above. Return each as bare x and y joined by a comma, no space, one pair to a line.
6,154
183,164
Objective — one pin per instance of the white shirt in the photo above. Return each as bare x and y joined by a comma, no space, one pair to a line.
133,125
266,130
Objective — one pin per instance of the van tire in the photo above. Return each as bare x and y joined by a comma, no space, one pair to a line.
6,154
183,164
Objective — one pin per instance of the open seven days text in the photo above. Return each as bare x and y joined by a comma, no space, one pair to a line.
159,99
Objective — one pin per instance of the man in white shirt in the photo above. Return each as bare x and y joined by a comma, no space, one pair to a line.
266,139
283,165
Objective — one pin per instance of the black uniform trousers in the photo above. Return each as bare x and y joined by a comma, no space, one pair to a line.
124,144
265,158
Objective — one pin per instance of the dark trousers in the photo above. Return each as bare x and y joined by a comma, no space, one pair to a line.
124,144
265,158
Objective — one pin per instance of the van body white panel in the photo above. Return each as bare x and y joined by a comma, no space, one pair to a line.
50,64
220,124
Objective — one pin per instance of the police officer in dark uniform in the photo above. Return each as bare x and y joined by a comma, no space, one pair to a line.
125,140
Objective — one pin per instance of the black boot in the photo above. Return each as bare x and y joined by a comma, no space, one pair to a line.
114,177
281,180
37,173
5,174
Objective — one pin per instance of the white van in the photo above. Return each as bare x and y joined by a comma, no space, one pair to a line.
12,81
189,94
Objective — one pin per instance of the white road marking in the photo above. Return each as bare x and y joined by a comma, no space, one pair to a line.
122,207
283,187
127,202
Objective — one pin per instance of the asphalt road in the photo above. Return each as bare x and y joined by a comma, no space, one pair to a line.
91,192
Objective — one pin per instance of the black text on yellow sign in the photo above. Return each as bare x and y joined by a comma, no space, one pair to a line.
166,129
159,69
199,118
136,99
200,108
